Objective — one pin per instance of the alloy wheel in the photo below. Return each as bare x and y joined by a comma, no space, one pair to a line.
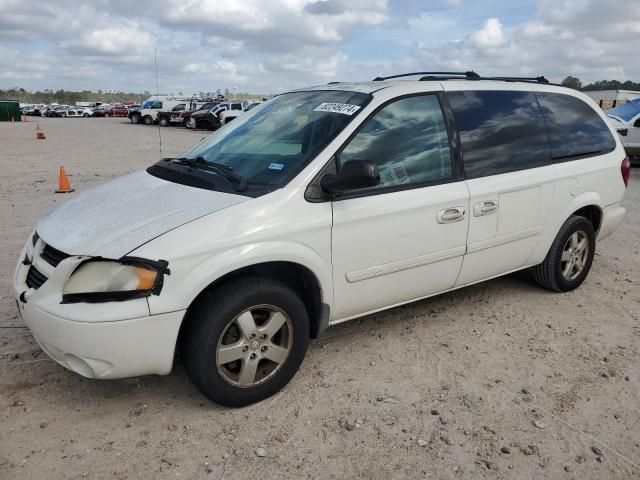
254,346
574,255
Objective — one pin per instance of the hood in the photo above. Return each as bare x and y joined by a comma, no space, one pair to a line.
616,122
113,219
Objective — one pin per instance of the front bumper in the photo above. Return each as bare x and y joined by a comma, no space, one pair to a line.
99,340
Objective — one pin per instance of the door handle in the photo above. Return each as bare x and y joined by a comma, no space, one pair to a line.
450,215
485,208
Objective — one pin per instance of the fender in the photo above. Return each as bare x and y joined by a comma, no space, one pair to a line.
555,221
197,273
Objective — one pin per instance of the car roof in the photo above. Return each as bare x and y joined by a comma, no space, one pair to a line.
448,84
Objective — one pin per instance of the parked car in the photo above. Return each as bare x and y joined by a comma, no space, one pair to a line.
321,206
626,120
116,111
208,119
237,109
73,112
99,111
56,111
180,115
148,112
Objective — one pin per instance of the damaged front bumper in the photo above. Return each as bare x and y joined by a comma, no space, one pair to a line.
96,340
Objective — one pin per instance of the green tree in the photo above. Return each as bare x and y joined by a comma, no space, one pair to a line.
572,82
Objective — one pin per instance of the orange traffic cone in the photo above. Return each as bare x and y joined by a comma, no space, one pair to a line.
63,184
39,133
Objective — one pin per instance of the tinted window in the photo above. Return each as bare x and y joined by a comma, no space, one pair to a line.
575,128
407,140
500,131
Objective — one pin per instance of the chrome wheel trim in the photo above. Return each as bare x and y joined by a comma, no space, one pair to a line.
574,255
254,346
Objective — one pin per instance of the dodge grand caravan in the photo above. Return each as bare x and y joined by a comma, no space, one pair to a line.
316,207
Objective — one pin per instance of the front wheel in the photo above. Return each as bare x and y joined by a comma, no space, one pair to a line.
570,257
245,340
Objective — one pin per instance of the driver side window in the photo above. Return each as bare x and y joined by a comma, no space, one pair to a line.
636,124
407,140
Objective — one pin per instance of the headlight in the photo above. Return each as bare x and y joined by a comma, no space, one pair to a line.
102,280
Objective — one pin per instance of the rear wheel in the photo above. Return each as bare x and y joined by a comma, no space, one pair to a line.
148,120
163,121
245,340
570,257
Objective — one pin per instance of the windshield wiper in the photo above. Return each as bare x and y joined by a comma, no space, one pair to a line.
223,170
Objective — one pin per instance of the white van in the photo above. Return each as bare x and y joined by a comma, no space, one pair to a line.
626,120
316,207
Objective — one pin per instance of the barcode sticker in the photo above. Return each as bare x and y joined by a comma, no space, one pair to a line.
343,108
394,174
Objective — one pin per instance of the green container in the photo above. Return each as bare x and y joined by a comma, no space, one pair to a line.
9,109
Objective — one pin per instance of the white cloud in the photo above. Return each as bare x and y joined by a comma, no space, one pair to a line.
122,40
270,46
489,36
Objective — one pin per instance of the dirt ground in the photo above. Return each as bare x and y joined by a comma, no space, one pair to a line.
499,380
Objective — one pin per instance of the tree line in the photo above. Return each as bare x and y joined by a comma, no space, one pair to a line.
576,84
69,97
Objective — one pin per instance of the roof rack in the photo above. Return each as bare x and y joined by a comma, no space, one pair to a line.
469,74
539,79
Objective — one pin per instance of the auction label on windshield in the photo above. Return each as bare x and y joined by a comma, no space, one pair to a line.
344,108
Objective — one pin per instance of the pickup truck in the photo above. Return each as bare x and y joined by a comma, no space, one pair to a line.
180,115
211,119
227,116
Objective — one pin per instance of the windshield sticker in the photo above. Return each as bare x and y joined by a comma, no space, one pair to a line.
276,166
343,108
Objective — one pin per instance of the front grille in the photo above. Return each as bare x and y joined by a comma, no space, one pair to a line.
52,256
35,279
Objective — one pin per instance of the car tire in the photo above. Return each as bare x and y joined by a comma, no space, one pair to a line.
148,120
164,122
85,115
135,119
254,318
569,260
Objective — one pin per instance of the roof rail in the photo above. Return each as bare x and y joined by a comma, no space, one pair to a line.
469,74
539,79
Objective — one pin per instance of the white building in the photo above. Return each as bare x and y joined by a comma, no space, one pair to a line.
612,98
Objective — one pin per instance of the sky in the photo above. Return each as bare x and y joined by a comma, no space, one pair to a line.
270,46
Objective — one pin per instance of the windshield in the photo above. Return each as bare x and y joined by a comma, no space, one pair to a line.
626,111
269,145
151,104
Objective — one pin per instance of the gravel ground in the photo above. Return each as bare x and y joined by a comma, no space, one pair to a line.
497,380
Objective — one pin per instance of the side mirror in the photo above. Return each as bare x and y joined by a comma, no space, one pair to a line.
352,176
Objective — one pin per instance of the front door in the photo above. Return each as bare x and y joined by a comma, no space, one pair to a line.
405,238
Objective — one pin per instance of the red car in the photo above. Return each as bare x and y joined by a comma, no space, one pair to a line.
116,111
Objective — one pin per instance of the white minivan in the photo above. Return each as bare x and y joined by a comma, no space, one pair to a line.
316,207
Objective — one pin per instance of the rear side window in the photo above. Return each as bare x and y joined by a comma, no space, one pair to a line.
575,129
500,131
